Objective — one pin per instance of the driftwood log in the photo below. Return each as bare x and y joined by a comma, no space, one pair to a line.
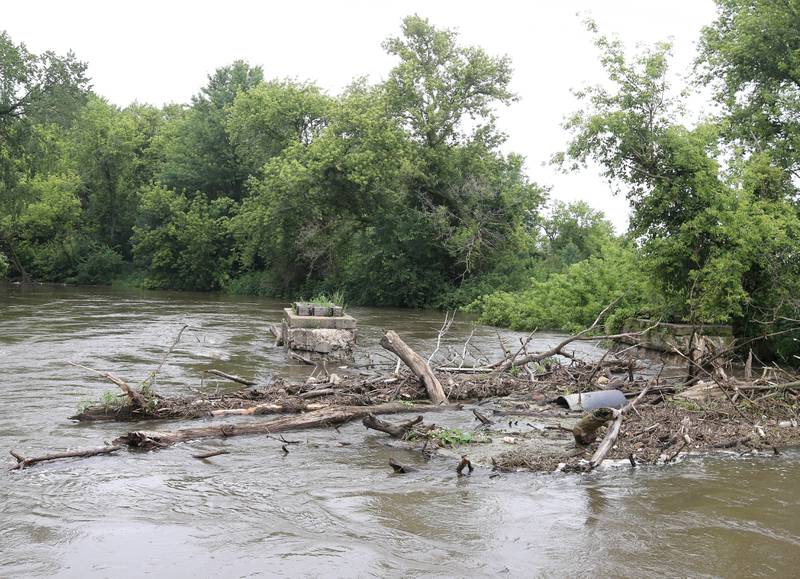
23,462
613,433
331,416
395,430
269,408
418,365
231,377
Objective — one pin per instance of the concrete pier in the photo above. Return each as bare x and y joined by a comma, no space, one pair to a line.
321,334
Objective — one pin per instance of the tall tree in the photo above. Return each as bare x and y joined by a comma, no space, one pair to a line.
198,153
751,55
443,92
712,263
267,118
109,149
36,91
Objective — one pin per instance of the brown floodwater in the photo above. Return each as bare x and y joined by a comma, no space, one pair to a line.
328,509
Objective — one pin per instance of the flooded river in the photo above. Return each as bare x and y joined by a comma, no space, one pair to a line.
327,509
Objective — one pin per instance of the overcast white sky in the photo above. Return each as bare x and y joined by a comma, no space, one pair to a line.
162,51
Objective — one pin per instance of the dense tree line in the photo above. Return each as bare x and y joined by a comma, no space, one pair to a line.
714,234
395,192
398,192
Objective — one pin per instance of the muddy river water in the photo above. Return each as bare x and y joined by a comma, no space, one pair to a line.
327,509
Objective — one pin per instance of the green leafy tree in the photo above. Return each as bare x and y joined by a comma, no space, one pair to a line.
443,92
198,153
687,212
571,300
267,118
110,150
39,94
750,55
44,88
182,242
574,232
43,233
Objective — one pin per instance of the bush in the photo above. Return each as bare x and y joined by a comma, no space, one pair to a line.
252,283
3,265
99,264
572,300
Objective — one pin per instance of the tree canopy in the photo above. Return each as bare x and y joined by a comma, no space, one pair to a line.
402,192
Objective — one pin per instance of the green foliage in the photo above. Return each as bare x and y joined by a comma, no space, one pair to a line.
323,299
572,300
110,149
197,152
270,116
688,217
3,265
453,436
182,242
749,54
438,84
98,264
574,232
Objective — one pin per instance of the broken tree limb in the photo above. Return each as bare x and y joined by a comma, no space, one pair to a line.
205,455
303,359
508,363
317,393
392,342
151,378
483,419
268,408
585,431
231,377
613,433
137,399
331,416
398,430
23,462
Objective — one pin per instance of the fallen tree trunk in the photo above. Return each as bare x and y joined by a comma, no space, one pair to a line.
332,416
269,408
137,399
392,342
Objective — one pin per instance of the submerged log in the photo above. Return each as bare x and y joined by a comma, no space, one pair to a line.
332,416
399,430
23,462
392,342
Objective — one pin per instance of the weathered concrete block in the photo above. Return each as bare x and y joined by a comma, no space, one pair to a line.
666,337
302,309
324,311
324,341
343,322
